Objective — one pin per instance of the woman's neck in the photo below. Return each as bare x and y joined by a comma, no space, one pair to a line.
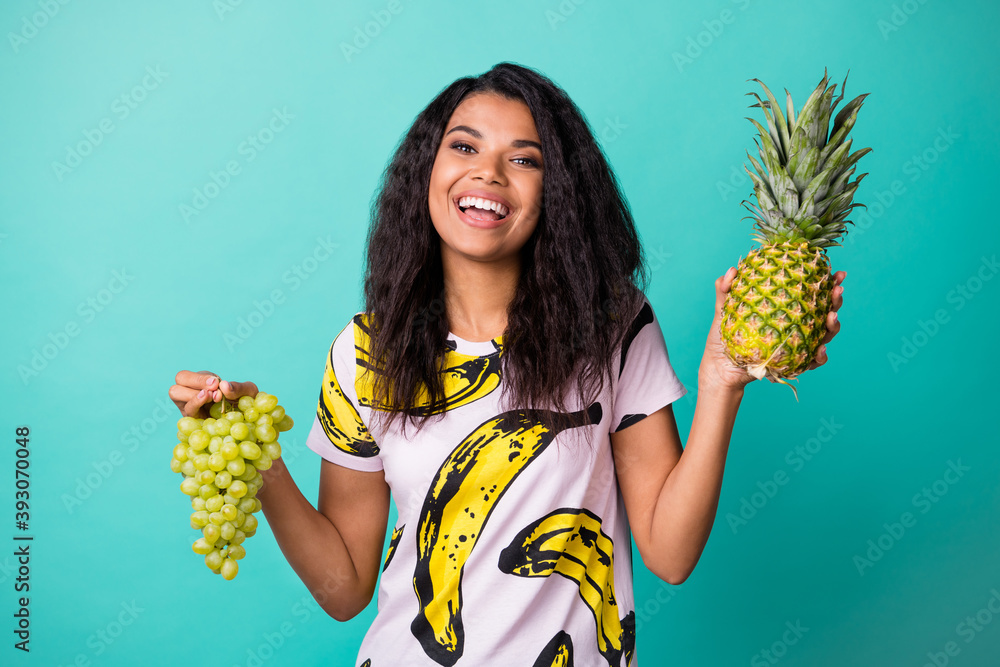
477,295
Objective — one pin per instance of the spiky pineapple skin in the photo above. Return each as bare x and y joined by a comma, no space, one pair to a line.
775,313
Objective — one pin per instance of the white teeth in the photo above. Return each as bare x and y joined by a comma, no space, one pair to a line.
485,204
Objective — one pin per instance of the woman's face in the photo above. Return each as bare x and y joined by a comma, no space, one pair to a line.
491,150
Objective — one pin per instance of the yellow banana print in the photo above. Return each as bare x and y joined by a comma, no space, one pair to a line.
557,653
340,419
466,378
570,542
391,551
459,501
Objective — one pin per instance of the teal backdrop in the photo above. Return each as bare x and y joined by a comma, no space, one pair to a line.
169,169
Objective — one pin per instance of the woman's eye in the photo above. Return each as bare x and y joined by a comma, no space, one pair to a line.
527,161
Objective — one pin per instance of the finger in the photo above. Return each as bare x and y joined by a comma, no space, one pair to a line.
821,358
189,401
832,328
199,380
838,298
839,276
722,285
233,390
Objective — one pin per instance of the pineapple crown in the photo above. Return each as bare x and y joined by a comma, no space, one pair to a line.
804,190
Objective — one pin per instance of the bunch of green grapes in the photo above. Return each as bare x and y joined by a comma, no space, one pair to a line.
220,458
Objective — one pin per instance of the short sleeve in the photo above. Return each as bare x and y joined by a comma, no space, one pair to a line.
338,433
646,380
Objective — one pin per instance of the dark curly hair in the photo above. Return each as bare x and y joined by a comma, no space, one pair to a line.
582,278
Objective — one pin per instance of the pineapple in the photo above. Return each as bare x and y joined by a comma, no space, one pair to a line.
774,316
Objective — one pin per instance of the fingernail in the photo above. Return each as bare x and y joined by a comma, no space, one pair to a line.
201,394
835,317
209,380
224,385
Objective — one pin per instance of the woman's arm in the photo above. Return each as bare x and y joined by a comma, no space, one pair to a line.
672,494
336,550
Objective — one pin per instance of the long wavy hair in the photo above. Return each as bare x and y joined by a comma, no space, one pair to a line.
582,270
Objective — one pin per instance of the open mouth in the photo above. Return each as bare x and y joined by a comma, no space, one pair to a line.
490,214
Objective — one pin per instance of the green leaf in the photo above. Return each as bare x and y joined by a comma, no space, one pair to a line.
778,118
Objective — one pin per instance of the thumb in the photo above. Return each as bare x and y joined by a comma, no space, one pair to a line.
233,390
722,285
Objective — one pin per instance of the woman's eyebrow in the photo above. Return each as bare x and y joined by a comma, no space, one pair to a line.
517,143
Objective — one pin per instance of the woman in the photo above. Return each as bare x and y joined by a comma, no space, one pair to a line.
529,431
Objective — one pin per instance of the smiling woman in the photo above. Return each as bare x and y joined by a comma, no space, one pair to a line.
539,392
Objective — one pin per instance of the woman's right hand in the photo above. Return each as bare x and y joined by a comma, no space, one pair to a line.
194,392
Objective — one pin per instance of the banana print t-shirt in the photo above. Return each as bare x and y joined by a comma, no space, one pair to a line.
512,545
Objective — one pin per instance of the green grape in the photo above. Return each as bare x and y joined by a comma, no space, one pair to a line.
223,479
187,425
221,458
266,433
237,466
227,530
213,559
200,462
198,440
202,548
265,402
263,462
249,450
211,533
229,450
240,431
216,462
230,568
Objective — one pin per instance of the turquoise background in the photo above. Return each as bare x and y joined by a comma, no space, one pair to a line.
663,86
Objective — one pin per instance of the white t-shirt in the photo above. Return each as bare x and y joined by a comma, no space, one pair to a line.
512,545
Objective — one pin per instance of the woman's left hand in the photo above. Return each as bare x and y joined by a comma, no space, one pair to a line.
717,369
